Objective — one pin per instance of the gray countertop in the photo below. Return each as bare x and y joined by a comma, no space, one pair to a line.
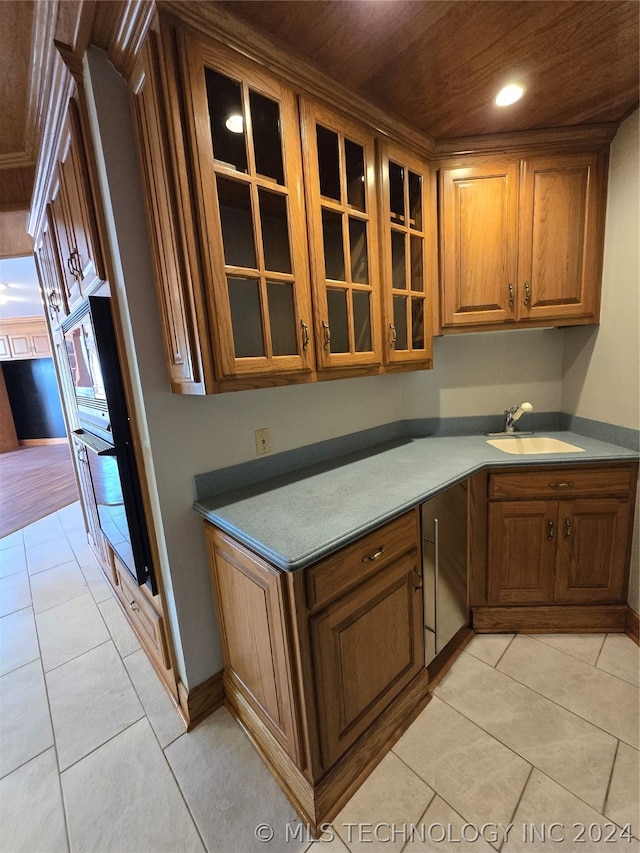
294,520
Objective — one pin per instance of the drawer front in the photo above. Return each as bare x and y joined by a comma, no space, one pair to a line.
350,566
561,482
146,620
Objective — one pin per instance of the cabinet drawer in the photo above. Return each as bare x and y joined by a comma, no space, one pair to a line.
561,482
146,620
350,566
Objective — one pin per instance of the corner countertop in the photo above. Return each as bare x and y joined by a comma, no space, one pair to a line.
294,520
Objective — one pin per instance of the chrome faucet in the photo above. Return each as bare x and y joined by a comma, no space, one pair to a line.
513,414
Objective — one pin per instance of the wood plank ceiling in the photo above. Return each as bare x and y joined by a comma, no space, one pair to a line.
439,64
17,106
435,63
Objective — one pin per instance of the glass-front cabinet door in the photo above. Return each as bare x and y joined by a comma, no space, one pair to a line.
409,263
341,204
245,134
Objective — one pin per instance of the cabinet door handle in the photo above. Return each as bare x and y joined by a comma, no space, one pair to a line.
77,264
527,293
550,529
418,584
510,296
394,336
567,528
134,605
305,334
563,485
327,334
373,557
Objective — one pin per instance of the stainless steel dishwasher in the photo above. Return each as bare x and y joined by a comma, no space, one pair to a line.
444,566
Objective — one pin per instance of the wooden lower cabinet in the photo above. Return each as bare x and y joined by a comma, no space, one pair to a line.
323,667
556,539
142,610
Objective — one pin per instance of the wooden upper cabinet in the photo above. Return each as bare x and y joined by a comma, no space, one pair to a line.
479,211
408,255
73,215
521,241
23,338
244,135
339,158
51,279
177,278
558,260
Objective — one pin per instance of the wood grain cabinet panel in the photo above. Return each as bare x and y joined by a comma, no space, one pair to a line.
521,553
592,547
24,338
571,548
72,216
342,209
478,244
178,283
324,674
408,255
366,647
51,279
558,259
522,240
249,597
244,134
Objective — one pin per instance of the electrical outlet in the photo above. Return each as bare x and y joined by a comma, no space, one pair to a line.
263,441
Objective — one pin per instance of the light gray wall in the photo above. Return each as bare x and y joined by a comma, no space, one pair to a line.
602,363
184,436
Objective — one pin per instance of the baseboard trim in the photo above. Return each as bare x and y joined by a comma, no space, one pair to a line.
196,704
632,627
594,619
441,665
36,442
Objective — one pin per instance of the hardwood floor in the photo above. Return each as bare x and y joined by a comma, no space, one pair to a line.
34,481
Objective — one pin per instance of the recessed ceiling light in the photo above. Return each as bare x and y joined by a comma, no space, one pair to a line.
509,95
235,123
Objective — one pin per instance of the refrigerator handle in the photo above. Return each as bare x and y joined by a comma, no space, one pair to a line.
436,579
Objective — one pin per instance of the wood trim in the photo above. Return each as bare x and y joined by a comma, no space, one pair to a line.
632,627
8,436
120,29
572,137
296,70
34,442
541,619
54,119
441,665
196,704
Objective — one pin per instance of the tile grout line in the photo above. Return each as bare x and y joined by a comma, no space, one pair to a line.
568,654
568,710
53,731
606,793
524,788
511,749
495,666
153,731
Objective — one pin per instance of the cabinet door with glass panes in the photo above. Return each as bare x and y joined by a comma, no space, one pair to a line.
409,263
339,157
244,132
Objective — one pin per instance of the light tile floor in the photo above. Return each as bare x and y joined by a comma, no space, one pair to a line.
524,737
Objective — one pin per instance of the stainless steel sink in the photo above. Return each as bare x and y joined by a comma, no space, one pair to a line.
533,444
